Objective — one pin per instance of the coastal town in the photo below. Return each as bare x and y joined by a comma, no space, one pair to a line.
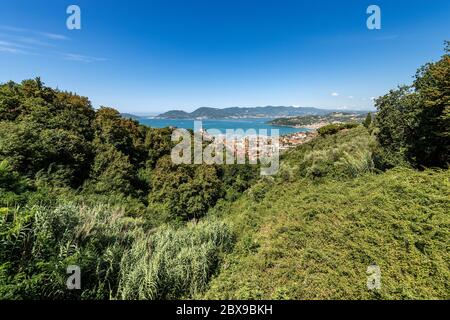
254,146
295,139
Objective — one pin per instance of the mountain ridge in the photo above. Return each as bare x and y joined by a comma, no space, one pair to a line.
247,112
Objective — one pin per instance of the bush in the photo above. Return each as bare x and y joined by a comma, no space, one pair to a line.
343,155
183,192
117,255
335,128
413,121
13,187
259,190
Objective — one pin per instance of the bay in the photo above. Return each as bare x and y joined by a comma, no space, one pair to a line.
221,124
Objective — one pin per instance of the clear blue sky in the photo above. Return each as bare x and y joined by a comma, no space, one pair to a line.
151,56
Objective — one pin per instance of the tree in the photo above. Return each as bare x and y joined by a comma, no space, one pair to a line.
368,120
184,191
126,135
413,121
45,130
112,172
431,144
10,101
157,143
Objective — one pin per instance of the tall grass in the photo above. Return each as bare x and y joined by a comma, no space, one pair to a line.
37,244
308,240
173,263
313,232
118,256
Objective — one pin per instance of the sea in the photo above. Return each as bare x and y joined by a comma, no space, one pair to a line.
222,125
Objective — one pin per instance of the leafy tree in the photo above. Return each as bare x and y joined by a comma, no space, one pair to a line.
126,135
184,191
10,101
75,114
158,143
109,131
368,120
335,128
30,150
45,130
396,122
413,121
112,172
431,144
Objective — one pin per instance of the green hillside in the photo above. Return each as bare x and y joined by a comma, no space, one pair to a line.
332,117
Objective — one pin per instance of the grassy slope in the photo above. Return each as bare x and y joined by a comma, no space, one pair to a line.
315,240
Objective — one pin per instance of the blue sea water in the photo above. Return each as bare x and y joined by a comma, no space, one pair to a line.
221,125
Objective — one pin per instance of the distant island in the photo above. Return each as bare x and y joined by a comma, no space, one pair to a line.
130,116
245,113
317,121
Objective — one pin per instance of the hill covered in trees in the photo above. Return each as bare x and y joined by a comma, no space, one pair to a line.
83,187
239,113
90,188
318,120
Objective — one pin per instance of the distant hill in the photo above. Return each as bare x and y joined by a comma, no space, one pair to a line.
239,113
174,114
130,116
307,120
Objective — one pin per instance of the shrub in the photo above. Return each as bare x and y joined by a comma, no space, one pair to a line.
335,128
343,155
413,121
13,187
259,190
184,192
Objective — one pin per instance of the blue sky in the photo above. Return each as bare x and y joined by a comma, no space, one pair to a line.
152,56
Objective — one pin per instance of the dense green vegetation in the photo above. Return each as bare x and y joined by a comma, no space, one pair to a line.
327,217
88,187
242,112
413,121
174,263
